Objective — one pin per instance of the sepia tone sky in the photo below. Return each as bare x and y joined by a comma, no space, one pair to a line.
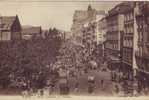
47,13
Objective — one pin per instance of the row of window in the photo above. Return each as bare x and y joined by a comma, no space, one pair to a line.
128,43
142,30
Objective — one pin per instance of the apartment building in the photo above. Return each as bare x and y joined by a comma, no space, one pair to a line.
142,55
115,28
128,39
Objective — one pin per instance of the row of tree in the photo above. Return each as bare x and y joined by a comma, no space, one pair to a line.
28,61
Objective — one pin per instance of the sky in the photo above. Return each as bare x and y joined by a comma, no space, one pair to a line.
48,13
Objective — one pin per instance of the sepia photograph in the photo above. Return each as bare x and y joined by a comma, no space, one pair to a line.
74,49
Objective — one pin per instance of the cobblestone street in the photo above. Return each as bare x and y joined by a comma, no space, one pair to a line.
106,90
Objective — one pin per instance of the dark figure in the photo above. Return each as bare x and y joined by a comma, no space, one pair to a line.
76,86
52,85
102,82
91,83
91,88
116,89
41,92
24,90
64,89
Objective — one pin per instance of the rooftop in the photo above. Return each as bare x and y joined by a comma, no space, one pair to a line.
7,22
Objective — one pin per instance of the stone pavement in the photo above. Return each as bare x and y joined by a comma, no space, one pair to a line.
99,90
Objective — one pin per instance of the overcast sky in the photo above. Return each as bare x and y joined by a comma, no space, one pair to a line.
48,14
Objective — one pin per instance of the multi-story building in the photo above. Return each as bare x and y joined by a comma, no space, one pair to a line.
10,28
81,19
89,37
102,30
142,55
101,38
128,41
113,45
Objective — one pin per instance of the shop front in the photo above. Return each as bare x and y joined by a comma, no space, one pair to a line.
114,65
127,79
127,71
143,81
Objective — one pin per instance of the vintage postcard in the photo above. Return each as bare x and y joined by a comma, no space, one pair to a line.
74,49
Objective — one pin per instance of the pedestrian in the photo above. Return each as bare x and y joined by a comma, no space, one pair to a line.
42,92
91,83
51,87
116,89
146,91
24,90
76,87
102,83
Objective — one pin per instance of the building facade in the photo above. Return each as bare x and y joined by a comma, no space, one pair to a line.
113,45
128,39
82,18
102,30
101,38
142,55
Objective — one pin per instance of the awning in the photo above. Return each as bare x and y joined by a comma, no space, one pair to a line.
114,59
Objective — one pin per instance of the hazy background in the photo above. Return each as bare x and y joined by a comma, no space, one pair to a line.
49,13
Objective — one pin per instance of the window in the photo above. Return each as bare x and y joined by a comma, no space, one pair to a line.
128,17
130,43
141,37
5,36
132,15
129,29
125,18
